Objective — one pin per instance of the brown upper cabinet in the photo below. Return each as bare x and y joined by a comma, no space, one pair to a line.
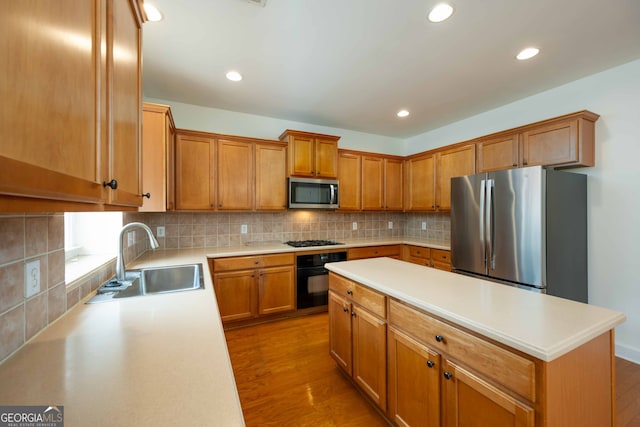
429,176
381,183
350,178
61,138
229,173
564,142
312,154
158,153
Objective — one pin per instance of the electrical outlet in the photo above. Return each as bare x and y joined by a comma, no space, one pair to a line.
243,229
424,225
131,238
160,231
31,278
354,226
390,225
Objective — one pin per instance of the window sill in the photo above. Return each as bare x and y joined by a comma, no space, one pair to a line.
80,266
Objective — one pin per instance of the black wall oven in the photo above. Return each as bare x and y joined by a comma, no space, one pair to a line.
313,278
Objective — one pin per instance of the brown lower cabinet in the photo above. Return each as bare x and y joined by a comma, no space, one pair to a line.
253,286
436,258
391,251
442,375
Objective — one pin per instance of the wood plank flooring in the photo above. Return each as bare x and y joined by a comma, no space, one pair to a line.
285,377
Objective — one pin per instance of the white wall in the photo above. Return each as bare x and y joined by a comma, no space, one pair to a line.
205,119
613,184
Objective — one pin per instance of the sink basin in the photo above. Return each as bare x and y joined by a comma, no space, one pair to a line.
152,280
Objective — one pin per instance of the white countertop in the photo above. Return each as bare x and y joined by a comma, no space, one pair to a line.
158,360
543,326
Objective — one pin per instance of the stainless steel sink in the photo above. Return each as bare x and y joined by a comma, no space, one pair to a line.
152,280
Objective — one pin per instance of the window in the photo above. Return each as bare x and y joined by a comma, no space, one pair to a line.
90,240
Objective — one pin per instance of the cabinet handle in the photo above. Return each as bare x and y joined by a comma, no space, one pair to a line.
515,164
256,262
113,184
345,309
439,338
147,195
448,375
349,292
353,314
431,363
525,163
219,205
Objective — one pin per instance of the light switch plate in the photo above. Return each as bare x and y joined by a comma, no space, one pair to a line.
31,278
131,238
390,225
243,229
354,226
424,225
160,231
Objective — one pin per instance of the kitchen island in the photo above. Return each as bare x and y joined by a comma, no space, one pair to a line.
513,356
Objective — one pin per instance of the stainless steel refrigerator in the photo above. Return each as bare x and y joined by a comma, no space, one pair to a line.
524,227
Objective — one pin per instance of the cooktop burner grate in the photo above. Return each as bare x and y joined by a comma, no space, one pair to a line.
306,243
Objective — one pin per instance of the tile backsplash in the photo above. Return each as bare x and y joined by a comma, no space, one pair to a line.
27,237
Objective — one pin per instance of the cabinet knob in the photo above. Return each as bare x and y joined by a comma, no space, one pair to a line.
439,338
345,309
256,262
147,195
353,314
219,205
113,184
525,163
515,164
349,292
448,375
431,363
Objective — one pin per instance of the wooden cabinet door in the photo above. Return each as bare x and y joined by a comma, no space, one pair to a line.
53,101
340,331
451,163
195,163
236,294
554,144
369,354
124,70
498,153
302,156
326,158
234,175
421,183
270,177
350,178
414,382
372,183
472,402
276,290
157,140
393,184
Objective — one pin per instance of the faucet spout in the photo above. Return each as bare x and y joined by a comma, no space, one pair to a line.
120,261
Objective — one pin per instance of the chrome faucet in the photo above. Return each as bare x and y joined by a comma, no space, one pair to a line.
120,261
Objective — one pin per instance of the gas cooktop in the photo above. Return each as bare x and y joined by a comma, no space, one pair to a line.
307,243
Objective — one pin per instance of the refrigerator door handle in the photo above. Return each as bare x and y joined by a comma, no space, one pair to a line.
483,191
489,224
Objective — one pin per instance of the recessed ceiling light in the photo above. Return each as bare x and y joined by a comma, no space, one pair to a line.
152,12
440,12
527,53
234,76
402,113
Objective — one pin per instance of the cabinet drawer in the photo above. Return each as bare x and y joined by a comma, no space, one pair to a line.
439,255
371,300
502,366
255,261
374,251
419,252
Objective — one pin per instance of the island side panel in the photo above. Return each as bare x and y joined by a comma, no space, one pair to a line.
579,387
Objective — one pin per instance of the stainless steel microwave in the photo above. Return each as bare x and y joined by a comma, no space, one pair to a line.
311,193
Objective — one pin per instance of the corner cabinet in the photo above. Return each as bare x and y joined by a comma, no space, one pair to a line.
62,138
254,286
158,154
358,335
311,154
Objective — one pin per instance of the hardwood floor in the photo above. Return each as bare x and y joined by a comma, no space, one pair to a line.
285,377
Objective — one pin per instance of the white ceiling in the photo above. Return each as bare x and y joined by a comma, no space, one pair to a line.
353,64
